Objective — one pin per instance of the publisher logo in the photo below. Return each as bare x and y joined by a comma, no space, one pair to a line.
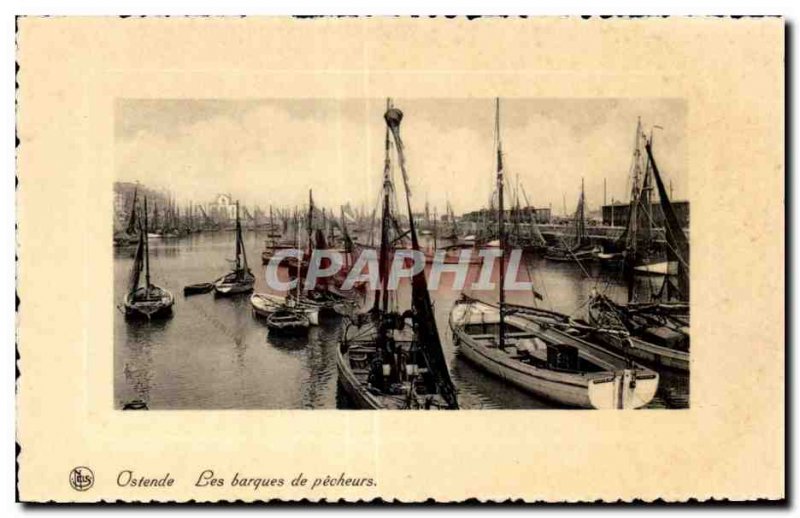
81,478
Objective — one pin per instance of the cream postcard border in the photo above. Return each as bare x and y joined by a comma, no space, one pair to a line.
729,444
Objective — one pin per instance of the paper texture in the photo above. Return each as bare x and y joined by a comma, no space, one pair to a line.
74,73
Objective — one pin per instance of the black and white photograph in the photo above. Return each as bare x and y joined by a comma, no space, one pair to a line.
402,260
401,254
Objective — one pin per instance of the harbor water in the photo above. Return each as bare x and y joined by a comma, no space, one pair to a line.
214,354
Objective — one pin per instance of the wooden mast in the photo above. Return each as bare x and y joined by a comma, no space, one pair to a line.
501,224
383,266
146,251
424,320
238,241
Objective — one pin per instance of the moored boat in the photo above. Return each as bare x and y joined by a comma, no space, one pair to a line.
288,322
148,301
655,333
265,304
387,359
659,328
241,279
580,249
194,289
543,352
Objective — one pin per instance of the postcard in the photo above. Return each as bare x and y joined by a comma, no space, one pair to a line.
400,259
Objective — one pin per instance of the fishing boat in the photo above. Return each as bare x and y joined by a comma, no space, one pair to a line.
659,328
148,301
544,352
241,279
287,321
548,355
580,249
271,248
265,304
326,293
655,333
388,359
524,233
636,248
272,245
452,253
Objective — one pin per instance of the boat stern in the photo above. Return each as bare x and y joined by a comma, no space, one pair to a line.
623,390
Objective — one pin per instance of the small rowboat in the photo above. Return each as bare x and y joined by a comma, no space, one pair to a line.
265,304
136,404
236,282
288,322
194,289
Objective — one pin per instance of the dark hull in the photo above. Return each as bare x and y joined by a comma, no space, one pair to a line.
195,289
133,313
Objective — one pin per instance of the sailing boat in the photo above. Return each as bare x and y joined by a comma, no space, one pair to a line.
148,301
241,279
325,293
387,359
273,245
659,329
544,352
266,304
581,248
635,247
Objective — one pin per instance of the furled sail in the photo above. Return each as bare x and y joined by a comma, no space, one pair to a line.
138,262
677,244
132,219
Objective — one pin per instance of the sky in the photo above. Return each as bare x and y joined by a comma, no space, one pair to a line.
271,151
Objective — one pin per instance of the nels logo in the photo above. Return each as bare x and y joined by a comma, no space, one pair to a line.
81,478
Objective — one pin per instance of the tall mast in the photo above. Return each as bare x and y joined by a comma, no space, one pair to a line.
435,244
146,250
297,240
238,239
581,217
501,223
383,266
310,221
428,342
348,245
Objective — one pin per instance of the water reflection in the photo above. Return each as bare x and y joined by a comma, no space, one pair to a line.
215,354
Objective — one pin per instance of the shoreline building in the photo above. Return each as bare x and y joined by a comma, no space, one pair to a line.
616,214
222,209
